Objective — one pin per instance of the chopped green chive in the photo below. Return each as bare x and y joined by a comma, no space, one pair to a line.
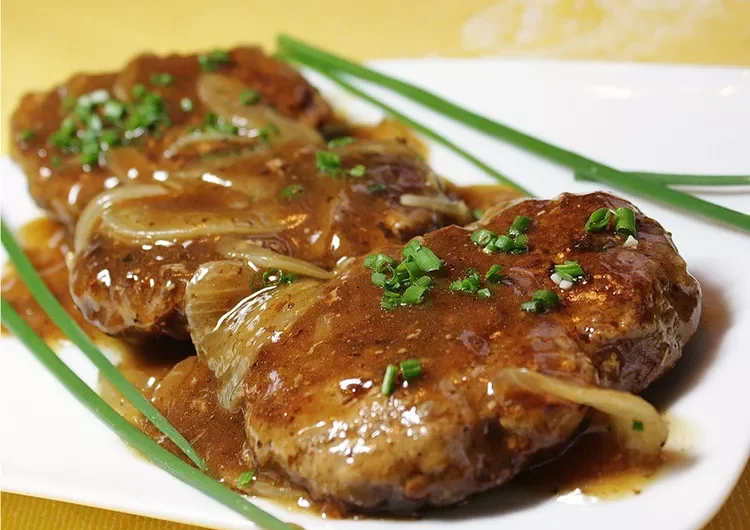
599,220
540,301
495,274
477,214
358,171
379,262
638,426
469,284
138,90
245,479
56,161
269,131
114,110
212,60
413,295
212,123
483,237
425,258
519,245
27,135
404,283
341,141
484,293
327,162
249,97
500,244
520,225
625,221
377,187
67,103
411,369
162,79
186,104
389,380
570,270
292,191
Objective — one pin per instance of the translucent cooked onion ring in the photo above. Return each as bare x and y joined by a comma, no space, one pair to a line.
229,323
93,211
127,163
263,258
221,94
190,139
638,425
142,224
457,209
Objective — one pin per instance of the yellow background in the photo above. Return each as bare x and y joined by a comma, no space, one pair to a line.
45,41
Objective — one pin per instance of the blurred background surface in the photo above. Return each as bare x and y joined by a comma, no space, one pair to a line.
45,41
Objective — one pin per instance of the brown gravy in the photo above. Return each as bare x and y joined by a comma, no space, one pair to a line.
181,386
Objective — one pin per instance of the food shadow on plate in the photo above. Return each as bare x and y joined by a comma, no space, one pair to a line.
699,354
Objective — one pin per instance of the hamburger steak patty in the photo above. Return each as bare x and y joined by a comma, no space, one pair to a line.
280,200
62,185
311,390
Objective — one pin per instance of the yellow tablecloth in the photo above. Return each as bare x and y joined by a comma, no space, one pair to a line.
44,41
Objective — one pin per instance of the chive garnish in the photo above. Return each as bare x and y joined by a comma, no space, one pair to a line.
638,426
332,66
541,301
27,134
68,326
358,171
625,221
389,380
249,97
130,434
469,284
162,79
405,283
570,270
425,258
327,162
598,220
411,369
477,214
520,225
277,277
342,141
213,60
495,274
674,179
245,479
482,237
484,293
292,191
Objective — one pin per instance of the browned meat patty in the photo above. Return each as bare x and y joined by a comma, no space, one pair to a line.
70,140
306,362
135,256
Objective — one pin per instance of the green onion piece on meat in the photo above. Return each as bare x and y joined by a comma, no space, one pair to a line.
483,237
327,162
599,220
292,191
249,97
358,171
245,479
162,79
484,293
186,104
411,369
520,225
570,270
625,221
389,380
494,275
342,141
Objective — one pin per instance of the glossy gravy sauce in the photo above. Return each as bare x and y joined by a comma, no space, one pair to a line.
182,388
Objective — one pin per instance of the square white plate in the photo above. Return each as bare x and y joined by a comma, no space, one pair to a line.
657,118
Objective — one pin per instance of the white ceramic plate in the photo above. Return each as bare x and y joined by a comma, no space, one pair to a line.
633,117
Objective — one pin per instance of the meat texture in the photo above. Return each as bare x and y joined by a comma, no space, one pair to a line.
98,131
305,361
136,247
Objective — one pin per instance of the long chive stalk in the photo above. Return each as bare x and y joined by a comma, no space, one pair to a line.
130,434
417,126
77,336
324,61
677,179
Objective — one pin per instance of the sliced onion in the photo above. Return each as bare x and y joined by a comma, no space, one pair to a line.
263,258
221,94
128,163
142,224
93,211
190,139
229,324
625,410
457,209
